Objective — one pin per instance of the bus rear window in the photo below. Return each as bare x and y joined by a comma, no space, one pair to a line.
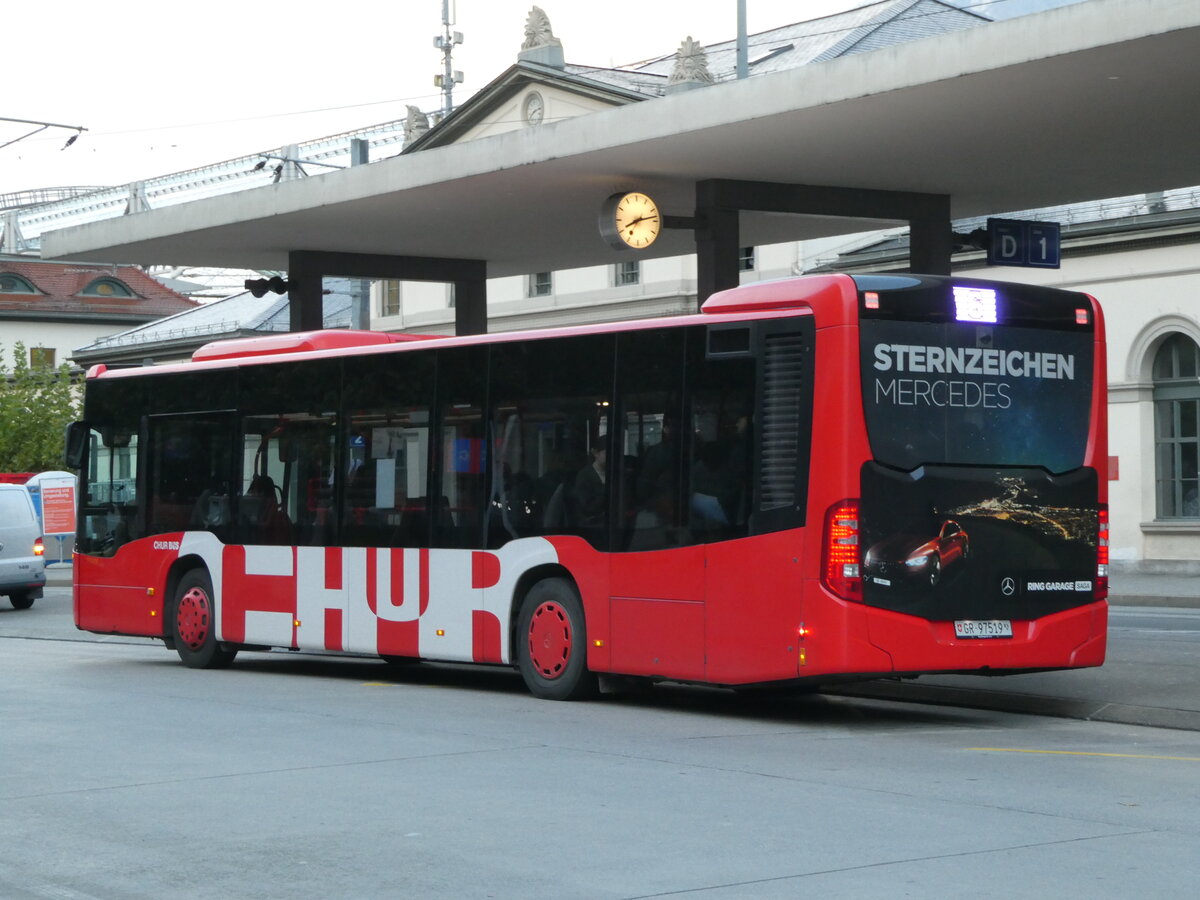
975,393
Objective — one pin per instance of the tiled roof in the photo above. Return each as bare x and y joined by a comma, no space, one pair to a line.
842,34
60,286
234,316
649,83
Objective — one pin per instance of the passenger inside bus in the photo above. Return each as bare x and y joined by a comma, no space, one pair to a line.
262,515
591,492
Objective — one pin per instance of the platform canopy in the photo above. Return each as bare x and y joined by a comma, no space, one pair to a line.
1088,101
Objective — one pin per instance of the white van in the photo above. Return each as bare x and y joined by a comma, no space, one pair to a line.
22,566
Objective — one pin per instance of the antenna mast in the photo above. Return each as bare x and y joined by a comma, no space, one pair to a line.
446,41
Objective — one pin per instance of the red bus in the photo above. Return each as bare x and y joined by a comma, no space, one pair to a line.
811,480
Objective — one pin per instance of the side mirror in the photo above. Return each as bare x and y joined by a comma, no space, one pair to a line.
76,444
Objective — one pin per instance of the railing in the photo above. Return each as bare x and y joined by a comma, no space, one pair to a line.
48,209
41,196
1112,208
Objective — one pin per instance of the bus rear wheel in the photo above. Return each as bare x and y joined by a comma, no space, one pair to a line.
552,643
194,624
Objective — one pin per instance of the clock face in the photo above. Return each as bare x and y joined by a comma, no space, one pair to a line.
637,220
535,108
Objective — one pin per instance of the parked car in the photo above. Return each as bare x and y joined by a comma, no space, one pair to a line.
22,563
908,557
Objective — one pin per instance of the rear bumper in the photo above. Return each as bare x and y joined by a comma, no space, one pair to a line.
1073,638
34,584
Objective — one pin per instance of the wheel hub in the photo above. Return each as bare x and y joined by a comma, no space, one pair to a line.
550,640
194,618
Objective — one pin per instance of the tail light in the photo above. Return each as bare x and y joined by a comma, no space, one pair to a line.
1102,555
39,547
840,571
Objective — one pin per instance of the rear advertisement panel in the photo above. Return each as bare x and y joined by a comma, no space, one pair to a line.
974,543
977,507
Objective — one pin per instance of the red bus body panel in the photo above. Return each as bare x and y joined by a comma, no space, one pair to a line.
745,611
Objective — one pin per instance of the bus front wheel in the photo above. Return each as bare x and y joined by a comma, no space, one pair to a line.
194,624
552,643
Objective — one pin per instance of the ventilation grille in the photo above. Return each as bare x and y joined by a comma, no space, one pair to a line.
783,372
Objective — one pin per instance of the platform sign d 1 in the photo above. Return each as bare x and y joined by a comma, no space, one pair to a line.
1013,242
58,506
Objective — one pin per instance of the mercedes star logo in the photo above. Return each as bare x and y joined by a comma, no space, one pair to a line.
1008,587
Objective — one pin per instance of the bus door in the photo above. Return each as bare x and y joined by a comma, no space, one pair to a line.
283,584
750,400
657,572
657,576
714,431
190,473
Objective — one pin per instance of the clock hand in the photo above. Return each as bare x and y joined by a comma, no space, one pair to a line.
640,219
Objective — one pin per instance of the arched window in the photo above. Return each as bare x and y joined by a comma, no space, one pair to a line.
107,287
1177,427
15,284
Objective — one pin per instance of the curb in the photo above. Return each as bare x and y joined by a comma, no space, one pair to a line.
1175,601
1024,704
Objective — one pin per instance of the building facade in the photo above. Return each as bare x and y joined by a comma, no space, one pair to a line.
53,307
1136,255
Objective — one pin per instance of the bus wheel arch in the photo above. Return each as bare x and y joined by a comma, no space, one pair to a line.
524,584
178,569
190,624
550,637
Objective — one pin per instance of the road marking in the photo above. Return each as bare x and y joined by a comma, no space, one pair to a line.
1084,753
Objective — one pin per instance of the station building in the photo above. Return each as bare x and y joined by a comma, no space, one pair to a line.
1136,254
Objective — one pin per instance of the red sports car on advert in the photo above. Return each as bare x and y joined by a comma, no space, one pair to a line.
905,557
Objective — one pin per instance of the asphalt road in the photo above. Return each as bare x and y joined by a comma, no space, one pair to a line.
129,776
1151,677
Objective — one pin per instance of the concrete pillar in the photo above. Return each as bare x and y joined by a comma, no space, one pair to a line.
717,251
931,237
307,267
470,306
306,299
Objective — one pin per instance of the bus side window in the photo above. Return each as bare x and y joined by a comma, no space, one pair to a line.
287,479
386,447
721,413
550,423
110,499
464,458
289,427
652,438
311,503
262,505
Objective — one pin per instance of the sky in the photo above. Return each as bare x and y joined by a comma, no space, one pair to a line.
161,87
